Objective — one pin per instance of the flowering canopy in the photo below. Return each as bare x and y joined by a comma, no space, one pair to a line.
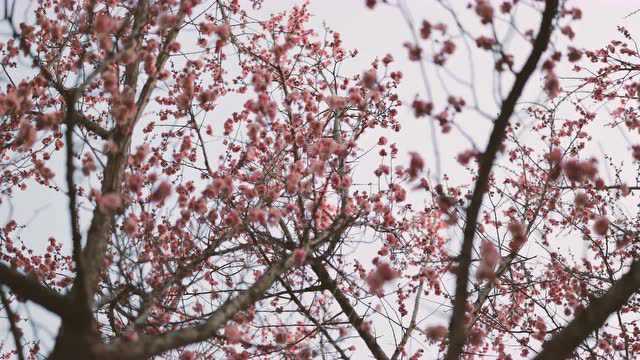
209,164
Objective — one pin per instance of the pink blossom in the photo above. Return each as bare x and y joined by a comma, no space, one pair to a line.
601,225
489,257
485,11
135,182
573,54
232,219
436,332
552,85
257,215
27,135
416,165
281,337
130,225
223,31
485,42
518,236
636,152
232,333
336,102
425,29
103,23
207,28
299,257
131,336
415,51
110,202
293,181
161,192
555,155
465,157
88,164
187,355
369,79
578,171
381,275
422,108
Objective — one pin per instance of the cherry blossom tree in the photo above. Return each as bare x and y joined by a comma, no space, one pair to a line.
518,290
210,164
201,233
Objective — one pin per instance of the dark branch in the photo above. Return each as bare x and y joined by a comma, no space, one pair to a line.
89,125
309,316
593,317
17,333
153,345
355,320
30,289
457,331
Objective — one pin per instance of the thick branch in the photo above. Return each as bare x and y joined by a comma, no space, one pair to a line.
84,122
101,224
17,333
30,289
148,346
89,125
457,331
593,317
76,236
355,320
153,345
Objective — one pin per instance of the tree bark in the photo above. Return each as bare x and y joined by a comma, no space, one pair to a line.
457,331
562,345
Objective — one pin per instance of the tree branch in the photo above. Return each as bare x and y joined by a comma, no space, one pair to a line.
30,289
15,330
355,320
82,121
153,345
101,224
309,316
593,317
76,236
412,324
457,331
